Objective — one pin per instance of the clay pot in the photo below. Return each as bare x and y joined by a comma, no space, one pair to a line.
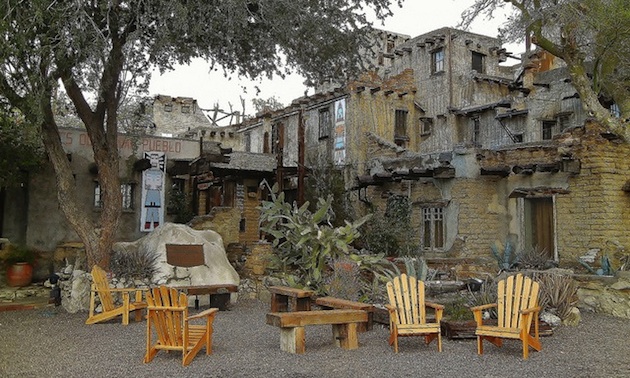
19,274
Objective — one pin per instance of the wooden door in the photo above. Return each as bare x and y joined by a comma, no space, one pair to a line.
540,224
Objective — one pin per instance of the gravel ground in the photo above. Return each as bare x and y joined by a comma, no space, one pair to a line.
51,342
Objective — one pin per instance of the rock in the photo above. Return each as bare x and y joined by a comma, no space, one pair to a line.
215,270
551,319
78,297
574,317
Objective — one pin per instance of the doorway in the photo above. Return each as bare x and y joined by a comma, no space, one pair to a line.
540,225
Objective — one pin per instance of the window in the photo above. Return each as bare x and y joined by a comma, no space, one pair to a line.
168,107
433,228
426,125
437,61
477,62
185,108
127,196
563,121
247,139
548,129
476,132
400,127
390,46
325,123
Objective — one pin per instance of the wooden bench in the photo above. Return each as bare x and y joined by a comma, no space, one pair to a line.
284,298
219,294
327,303
292,337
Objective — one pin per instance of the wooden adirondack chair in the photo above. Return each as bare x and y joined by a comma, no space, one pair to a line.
168,315
517,308
100,286
407,311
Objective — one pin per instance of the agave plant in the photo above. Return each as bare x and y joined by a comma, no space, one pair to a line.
507,259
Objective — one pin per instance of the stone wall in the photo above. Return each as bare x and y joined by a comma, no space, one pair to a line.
224,220
605,294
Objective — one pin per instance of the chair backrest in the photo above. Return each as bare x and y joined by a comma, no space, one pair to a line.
514,294
101,284
167,308
406,293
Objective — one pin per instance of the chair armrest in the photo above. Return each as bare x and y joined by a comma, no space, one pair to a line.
202,314
122,290
483,307
390,308
434,305
530,310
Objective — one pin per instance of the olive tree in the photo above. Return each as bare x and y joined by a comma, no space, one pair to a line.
97,51
591,36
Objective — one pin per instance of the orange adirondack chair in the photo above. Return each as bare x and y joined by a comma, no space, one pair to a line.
517,308
407,311
100,286
168,314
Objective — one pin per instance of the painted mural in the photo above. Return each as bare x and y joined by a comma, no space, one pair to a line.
340,132
153,191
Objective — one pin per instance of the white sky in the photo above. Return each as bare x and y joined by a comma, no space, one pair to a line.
416,17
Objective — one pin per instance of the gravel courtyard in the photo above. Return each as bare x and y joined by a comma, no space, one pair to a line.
51,342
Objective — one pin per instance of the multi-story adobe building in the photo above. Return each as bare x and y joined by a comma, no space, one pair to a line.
482,151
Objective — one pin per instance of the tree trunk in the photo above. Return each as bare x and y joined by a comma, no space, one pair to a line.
97,236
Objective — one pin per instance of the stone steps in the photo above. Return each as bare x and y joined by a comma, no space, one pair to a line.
23,298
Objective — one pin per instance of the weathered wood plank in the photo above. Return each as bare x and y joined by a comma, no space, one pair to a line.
315,317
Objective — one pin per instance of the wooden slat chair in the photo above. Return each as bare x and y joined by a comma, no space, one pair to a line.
101,286
517,308
168,315
407,311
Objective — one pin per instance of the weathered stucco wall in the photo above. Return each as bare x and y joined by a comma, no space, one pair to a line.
595,214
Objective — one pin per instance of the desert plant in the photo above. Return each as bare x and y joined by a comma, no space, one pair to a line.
557,293
305,240
533,258
417,267
486,295
344,280
506,259
134,264
18,254
606,268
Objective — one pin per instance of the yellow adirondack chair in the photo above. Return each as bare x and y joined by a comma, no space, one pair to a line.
168,315
517,308
407,311
100,286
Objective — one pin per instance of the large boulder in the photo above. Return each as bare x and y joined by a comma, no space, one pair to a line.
216,268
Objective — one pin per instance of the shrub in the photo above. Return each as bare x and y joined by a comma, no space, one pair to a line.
557,293
132,265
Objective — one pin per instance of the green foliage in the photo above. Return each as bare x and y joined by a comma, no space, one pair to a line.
506,259
458,309
306,240
180,204
134,264
18,253
20,148
390,232
416,267
325,179
557,294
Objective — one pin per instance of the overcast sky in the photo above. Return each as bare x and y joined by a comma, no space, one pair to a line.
414,18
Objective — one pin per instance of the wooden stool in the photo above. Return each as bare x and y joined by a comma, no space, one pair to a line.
285,299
